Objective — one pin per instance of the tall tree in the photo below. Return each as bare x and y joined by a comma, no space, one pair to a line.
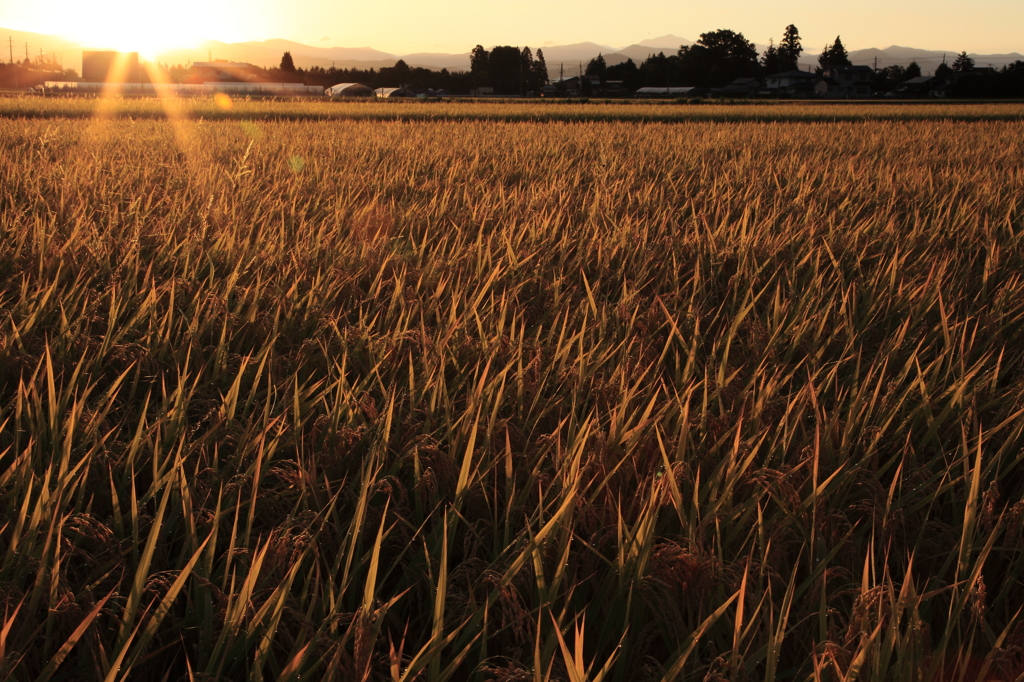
770,59
540,69
530,81
789,49
913,71
963,63
627,72
834,55
287,63
506,70
597,66
660,71
479,60
402,72
718,58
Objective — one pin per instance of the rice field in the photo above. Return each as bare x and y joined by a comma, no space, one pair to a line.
510,110
511,397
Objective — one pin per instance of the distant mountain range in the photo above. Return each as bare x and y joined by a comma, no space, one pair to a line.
567,59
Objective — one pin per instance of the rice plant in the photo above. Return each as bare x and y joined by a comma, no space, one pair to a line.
516,400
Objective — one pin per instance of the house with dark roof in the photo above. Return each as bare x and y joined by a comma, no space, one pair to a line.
825,85
569,86
741,87
850,81
793,83
914,87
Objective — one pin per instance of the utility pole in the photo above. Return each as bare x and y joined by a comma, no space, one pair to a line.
26,52
10,44
876,63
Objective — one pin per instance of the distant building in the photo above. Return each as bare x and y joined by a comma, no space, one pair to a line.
741,87
849,81
915,87
107,66
827,87
569,86
793,83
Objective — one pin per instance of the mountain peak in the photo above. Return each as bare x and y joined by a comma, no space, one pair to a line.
667,40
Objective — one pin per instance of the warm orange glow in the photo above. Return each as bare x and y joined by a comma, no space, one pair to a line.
129,25
223,101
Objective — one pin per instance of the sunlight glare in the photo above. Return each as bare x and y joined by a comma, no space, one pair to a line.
223,101
131,25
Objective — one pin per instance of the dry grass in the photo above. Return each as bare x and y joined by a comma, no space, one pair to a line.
510,401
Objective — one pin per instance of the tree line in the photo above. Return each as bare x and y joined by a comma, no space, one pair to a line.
715,60
508,70
401,74
720,57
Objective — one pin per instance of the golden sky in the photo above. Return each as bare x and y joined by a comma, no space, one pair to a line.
406,26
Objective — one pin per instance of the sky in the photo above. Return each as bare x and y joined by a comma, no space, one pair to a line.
455,26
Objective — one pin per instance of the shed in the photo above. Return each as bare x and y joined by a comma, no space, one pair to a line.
349,90
393,93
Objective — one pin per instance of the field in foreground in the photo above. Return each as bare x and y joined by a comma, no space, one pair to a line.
511,401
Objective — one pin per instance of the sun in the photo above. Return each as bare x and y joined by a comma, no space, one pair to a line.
148,28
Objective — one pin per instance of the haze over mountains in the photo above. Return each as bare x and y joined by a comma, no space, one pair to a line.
565,59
